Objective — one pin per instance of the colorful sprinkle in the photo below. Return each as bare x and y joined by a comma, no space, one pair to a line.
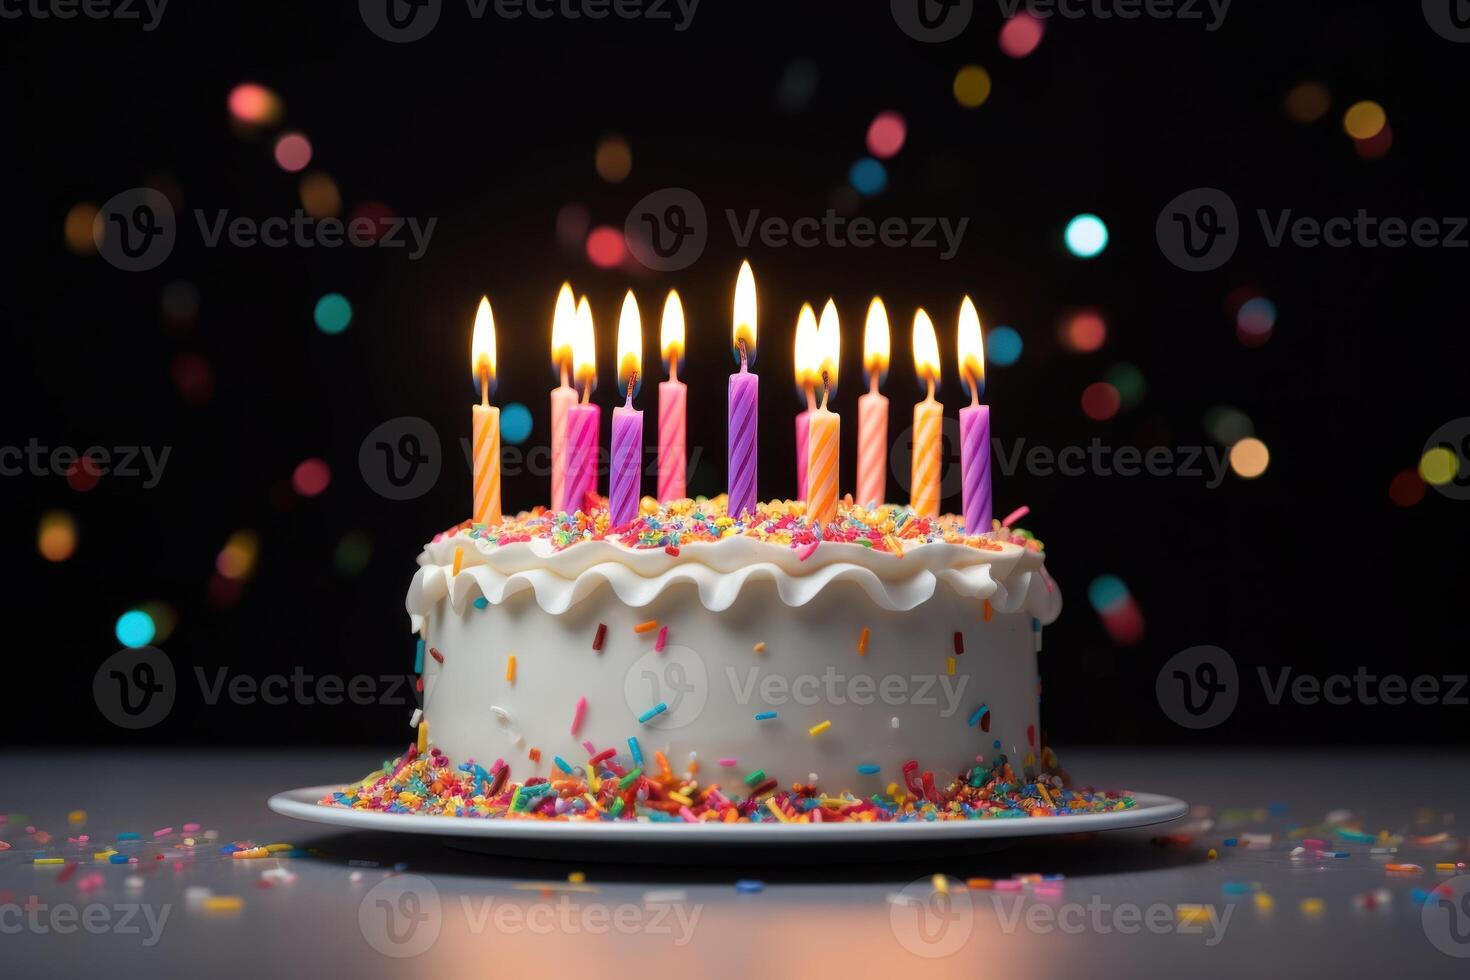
458,560
647,626
765,715
510,668
579,714
652,713
819,728
601,635
863,641
663,638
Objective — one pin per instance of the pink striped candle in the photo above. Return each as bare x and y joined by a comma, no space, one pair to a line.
872,447
584,420
672,463
806,355
564,396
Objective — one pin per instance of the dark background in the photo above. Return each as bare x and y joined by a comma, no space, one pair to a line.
491,126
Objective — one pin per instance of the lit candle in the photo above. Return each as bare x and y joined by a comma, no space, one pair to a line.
974,423
806,354
625,484
873,409
584,420
564,396
928,421
826,427
744,394
485,419
672,464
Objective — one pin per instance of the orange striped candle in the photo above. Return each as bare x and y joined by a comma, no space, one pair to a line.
485,420
825,436
872,444
928,421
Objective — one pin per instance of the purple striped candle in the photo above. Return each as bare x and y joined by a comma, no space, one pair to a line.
975,467
744,396
625,475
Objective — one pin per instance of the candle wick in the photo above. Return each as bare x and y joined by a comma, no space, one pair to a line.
873,383
674,367
484,388
741,344
931,387
811,398
586,391
632,380
974,393
564,382
826,387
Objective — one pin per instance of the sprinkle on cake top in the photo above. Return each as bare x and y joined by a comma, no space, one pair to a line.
888,528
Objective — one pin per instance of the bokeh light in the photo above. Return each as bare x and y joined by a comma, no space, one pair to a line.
311,477
515,423
1100,401
1003,347
180,302
886,134
1021,35
868,177
1121,617
605,247
1307,102
1255,320
165,617
320,197
1407,488
1249,458
797,86
77,228
192,376
353,552
1364,120
333,313
255,104
376,212
1086,236
1083,332
1227,425
613,159
1376,147
971,86
134,629
1128,380
572,222
83,474
293,152
56,536
1439,466
236,560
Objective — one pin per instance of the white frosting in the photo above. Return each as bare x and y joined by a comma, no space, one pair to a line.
1013,578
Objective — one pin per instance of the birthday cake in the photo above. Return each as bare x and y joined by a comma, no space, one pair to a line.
695,666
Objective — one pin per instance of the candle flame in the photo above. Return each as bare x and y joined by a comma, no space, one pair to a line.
926,348
482,347
671,331
630,345
563,324
744,326
584,346
876,345
972,350
829,345
808,357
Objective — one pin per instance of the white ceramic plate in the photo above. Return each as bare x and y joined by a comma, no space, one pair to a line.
302,804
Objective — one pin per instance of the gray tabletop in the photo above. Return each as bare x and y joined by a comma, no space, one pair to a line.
369,904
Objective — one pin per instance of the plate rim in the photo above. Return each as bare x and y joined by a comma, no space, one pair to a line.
301,804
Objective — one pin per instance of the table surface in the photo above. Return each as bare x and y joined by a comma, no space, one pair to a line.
1127,904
